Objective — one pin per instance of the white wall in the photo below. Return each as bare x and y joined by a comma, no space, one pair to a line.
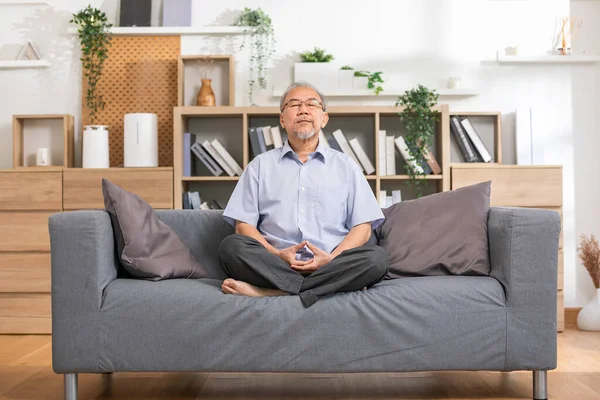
411,41
586,143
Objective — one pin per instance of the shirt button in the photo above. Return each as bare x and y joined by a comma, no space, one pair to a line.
303,188
301,210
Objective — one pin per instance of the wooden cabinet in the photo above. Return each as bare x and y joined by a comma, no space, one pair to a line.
25,313
28,197
38,190
521,186
83,187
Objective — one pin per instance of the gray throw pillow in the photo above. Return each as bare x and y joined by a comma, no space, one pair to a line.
440,234
147,247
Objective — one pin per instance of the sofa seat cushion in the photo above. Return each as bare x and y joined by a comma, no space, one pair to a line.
410,324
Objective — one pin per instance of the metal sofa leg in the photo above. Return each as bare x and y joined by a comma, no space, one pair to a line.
70,386
540,385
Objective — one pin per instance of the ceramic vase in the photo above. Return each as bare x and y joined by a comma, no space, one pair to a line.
588,318
206,96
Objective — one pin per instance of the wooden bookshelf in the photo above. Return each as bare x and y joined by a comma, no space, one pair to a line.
231,124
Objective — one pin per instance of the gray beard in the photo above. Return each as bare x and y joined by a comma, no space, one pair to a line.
304,135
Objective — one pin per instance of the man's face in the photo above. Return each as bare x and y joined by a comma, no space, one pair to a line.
303,114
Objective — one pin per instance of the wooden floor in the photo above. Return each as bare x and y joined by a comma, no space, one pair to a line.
26,373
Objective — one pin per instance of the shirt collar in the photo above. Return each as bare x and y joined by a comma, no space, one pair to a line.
321,150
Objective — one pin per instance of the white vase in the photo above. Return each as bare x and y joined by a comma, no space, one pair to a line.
322,75
95,152
588,318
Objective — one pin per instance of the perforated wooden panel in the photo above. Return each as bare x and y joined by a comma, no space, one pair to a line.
140,75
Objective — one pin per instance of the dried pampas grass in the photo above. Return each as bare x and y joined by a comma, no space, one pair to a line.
589,253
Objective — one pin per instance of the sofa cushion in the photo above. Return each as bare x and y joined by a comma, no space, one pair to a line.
440,234
147,247
411,324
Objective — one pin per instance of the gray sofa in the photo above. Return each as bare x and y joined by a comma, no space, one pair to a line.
103,322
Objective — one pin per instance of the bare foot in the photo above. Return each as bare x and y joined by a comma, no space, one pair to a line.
231,286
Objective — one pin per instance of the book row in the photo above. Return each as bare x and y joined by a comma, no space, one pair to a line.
218,160
193,201
468,140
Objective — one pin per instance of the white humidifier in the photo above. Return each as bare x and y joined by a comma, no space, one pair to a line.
141,140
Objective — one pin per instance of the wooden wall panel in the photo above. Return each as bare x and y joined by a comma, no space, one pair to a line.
140,76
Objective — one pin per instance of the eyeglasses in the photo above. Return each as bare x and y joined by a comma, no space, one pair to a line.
311,104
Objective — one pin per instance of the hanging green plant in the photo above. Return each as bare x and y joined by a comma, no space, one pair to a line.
262,37
375,80
420,122
94,35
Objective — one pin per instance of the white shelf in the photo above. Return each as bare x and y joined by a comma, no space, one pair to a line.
547,59
21,64
24,2
457,92
172,30
389,93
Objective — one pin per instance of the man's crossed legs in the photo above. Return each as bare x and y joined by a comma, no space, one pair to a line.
257,272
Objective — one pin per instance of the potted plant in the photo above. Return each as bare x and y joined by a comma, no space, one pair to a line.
262,38
316,68
94,36
346,78
420,122
368,80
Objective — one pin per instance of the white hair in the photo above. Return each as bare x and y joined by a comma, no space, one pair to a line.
302,84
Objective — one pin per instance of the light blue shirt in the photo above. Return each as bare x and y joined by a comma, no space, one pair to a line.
318,201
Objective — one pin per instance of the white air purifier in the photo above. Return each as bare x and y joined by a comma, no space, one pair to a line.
141,140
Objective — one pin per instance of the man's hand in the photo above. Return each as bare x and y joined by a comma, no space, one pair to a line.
320,258
289,255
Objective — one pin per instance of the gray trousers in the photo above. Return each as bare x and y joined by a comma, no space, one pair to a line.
246,259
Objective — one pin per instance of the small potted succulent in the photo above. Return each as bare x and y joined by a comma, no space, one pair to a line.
316,68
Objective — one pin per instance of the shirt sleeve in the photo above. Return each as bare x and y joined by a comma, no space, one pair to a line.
243,203
362,203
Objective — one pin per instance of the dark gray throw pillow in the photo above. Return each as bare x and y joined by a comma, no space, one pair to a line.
147,247
440,234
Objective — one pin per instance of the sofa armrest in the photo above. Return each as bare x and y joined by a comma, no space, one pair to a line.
84,262
524,254
524,259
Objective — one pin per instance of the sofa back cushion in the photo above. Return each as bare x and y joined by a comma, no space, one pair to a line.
147,247
440,234
202,232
